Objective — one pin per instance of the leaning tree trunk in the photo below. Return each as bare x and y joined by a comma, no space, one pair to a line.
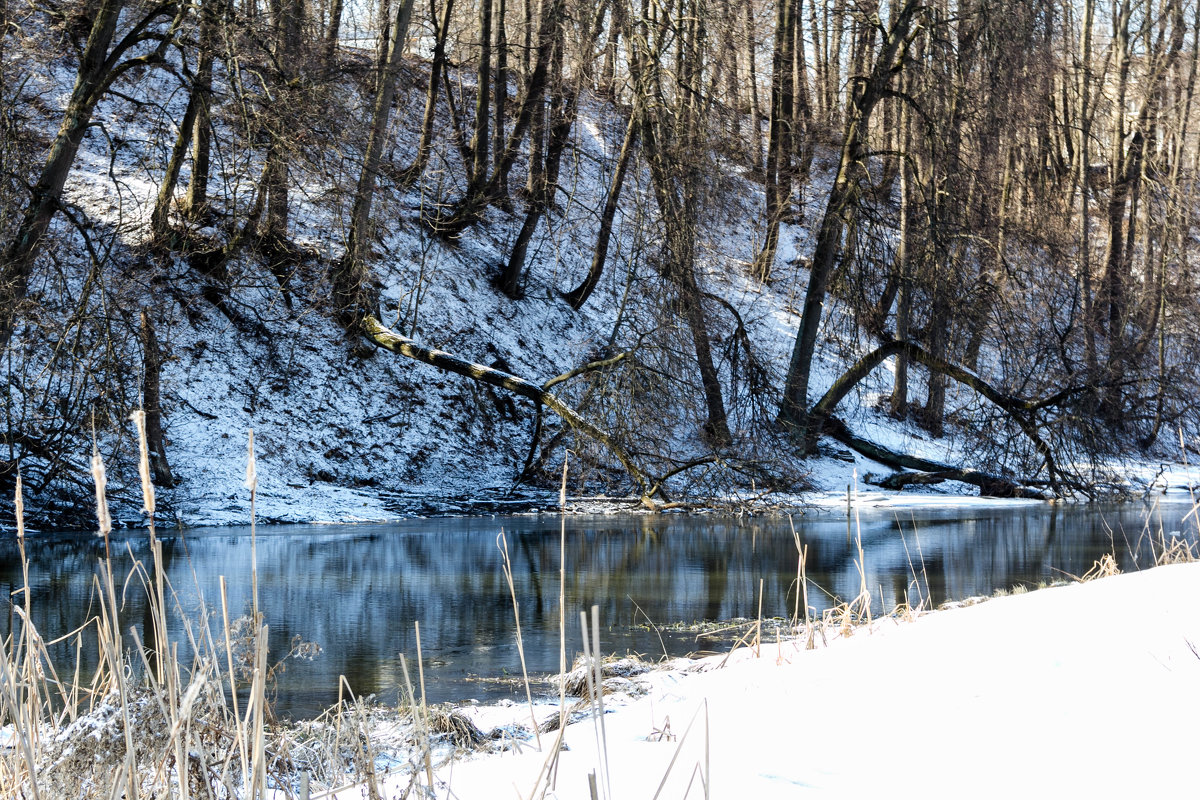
563,110
843,198
349,276
1020,410
379,335
412,173
580,294
160,217
98,68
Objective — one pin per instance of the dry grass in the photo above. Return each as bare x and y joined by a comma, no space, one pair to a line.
1105,567
1177,550
616,675
1165,548
185,714
147,722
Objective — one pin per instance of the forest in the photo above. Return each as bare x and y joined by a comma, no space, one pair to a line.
701,245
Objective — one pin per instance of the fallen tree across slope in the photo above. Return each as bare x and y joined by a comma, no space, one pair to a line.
1021,410
381,336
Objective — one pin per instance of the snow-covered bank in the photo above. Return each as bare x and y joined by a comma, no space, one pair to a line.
1082,690
349,434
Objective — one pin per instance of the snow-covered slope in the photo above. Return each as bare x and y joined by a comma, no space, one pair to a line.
347,433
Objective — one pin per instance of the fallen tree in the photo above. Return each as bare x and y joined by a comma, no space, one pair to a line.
922,471
381,336
1023,411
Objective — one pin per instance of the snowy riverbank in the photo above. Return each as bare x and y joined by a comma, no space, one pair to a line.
1082,690
1033,691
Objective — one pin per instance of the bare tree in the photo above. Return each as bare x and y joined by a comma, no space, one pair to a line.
866,93
780,139
349,276
672,140
102,63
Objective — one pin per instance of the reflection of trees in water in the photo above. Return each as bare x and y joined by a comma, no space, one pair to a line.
357,591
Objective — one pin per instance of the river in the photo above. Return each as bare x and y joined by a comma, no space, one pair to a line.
358,590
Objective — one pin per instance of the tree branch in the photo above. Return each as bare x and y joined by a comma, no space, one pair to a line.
381,336
1021,410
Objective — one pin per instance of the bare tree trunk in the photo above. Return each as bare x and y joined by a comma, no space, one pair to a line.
932,415
834,74
537,151
995,277
333,32
820,62
756,141
349,277
412,173
500,87
607,85
843,198
193,128
160,216
899,399
1177,226
729,71
563,109
526,41
152,404
580,294
1128,172
1082,169
287,18
478,169
195,204
778,181
564,106
1119,180
802,116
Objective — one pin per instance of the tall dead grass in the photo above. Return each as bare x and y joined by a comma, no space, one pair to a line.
181,710
178,711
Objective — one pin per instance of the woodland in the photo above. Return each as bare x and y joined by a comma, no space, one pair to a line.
983,214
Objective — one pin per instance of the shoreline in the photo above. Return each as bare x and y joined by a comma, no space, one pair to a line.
735,721
731,718
435,507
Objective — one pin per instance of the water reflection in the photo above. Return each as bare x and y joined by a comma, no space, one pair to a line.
358,590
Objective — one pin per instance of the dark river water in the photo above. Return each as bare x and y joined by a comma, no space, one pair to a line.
358,590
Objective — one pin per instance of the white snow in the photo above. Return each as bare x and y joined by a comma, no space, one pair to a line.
1087,690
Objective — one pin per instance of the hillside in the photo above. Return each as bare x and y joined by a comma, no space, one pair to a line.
233,314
